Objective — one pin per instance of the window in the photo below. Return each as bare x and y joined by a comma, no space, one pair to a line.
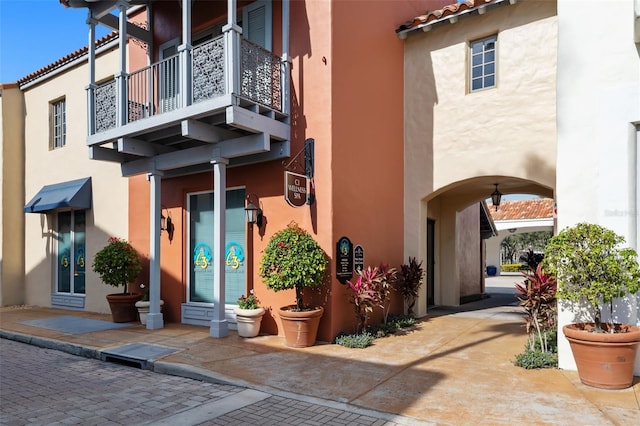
71,258
482,72
58,119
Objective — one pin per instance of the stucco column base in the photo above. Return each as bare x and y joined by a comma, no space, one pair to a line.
155,321
219,328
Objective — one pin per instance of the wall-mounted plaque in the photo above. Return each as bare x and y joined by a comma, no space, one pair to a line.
344,260
358,258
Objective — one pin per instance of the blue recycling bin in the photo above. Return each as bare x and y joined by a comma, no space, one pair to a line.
492,271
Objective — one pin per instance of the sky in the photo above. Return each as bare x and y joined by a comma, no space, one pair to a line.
35,33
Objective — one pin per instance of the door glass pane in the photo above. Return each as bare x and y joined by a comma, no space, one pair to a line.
201,243
64,252
201,248
235,247
79,237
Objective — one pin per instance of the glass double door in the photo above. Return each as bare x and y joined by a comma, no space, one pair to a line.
201,243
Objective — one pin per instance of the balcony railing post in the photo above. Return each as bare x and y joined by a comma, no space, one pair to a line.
121,99
91,88
91,109
186,75
121,76
232,57
184,51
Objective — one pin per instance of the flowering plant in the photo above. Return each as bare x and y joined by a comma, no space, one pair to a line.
117,263
293,259
248,302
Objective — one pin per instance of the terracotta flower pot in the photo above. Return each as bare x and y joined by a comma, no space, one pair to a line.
248,321
123,306
300,328
604,360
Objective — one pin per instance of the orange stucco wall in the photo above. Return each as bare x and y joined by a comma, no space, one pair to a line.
347,88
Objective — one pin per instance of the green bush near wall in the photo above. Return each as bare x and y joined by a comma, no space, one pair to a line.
513,267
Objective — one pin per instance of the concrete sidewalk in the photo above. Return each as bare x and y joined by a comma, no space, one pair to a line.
454,367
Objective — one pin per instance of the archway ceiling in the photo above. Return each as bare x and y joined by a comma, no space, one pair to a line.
481,188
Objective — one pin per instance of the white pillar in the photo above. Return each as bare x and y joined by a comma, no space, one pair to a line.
232,49
91,88
184,51
154,317
121,80
286,59
219,326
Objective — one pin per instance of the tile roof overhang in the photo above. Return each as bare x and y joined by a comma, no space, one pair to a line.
449,14
67,60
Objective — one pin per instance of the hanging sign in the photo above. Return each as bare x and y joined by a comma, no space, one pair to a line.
295,189
344,260
358,258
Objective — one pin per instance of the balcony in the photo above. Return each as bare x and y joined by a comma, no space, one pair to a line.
206,95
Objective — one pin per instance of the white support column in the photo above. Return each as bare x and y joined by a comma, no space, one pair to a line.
154,317
232,49
121,76
219,326
286,59
184,51
91,88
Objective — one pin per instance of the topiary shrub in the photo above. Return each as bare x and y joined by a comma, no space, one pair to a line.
293,260
117,263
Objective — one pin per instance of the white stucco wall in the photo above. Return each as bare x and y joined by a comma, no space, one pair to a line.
108,215
453,137
598,115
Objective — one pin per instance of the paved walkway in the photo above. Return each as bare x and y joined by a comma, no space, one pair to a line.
454,367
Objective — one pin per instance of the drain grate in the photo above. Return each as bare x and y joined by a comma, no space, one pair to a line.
135,354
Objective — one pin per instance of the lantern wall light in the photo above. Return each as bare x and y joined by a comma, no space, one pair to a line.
253,208
496,196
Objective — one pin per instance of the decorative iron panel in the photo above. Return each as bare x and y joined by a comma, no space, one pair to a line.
208,70
260,71
105,100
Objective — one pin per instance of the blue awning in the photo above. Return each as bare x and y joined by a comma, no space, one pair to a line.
74,194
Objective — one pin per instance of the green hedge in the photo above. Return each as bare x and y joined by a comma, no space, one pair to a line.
513,267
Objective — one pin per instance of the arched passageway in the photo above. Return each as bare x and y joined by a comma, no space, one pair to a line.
454,223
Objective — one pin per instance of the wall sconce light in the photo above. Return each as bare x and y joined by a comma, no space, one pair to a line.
253,210
165,221
496,196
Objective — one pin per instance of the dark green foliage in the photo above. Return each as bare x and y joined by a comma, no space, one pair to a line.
592,268
536,359
293,259
358,341
117,263
409,281
392,325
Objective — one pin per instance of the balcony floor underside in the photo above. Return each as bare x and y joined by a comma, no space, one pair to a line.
186,140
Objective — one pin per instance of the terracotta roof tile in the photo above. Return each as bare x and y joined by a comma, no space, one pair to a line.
445,12
539,208
66,59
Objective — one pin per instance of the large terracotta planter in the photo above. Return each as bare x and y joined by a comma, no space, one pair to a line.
300,328
248,321
123,306
604,360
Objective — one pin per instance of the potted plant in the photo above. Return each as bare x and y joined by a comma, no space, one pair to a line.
593,269
118,264
248,315
293,260
143,305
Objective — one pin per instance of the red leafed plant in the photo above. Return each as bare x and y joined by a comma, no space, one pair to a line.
538,298
371,289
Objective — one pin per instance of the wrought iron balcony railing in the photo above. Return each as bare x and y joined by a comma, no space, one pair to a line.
159,88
